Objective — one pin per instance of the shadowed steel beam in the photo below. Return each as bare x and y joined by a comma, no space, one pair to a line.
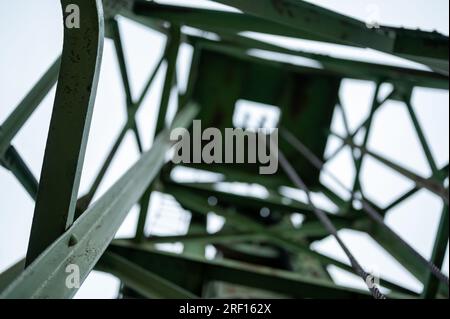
220,20
69,127
201,238
228,24
309,229
431,286
171,59
344,67
121,58
198,204
426,47
124,8
143,281
197,224
144,203
27,106
14,162
10,274
84,242
301,15
168,265
273,201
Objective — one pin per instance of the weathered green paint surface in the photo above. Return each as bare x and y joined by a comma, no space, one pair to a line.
69,128
306,101
263,253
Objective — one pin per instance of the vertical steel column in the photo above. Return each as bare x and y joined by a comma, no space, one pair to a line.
70,123
171,58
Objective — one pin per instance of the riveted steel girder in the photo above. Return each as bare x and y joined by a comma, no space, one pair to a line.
69,127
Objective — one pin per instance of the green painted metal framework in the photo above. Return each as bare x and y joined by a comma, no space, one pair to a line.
72,229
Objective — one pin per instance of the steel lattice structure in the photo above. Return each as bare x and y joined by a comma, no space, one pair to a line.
72,229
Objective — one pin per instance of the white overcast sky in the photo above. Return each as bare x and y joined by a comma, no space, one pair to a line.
31,36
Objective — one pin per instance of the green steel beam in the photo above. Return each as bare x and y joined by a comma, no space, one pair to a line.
197,225
143,281
273,201
429,48
421,136
376,218
10,274
85,200
171,59
168,265
403,256
431,286
387,239
170,56
69,128
150,82
111,208
357,162
27,106
201,238
358,129
220,20
228,24
432,49
198,204
144,203
429,184
115,30
113,8
14,163
310,229
9,157
87,239
347,68
367,130
121,59
440,176
301,15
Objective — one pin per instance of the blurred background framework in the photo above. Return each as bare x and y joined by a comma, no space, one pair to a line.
32,33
